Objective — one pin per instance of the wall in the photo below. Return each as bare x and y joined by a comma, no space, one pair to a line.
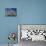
28,12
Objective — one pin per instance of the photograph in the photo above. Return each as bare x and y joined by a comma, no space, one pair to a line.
10,11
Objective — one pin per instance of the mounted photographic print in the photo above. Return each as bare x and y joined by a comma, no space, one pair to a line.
10,11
